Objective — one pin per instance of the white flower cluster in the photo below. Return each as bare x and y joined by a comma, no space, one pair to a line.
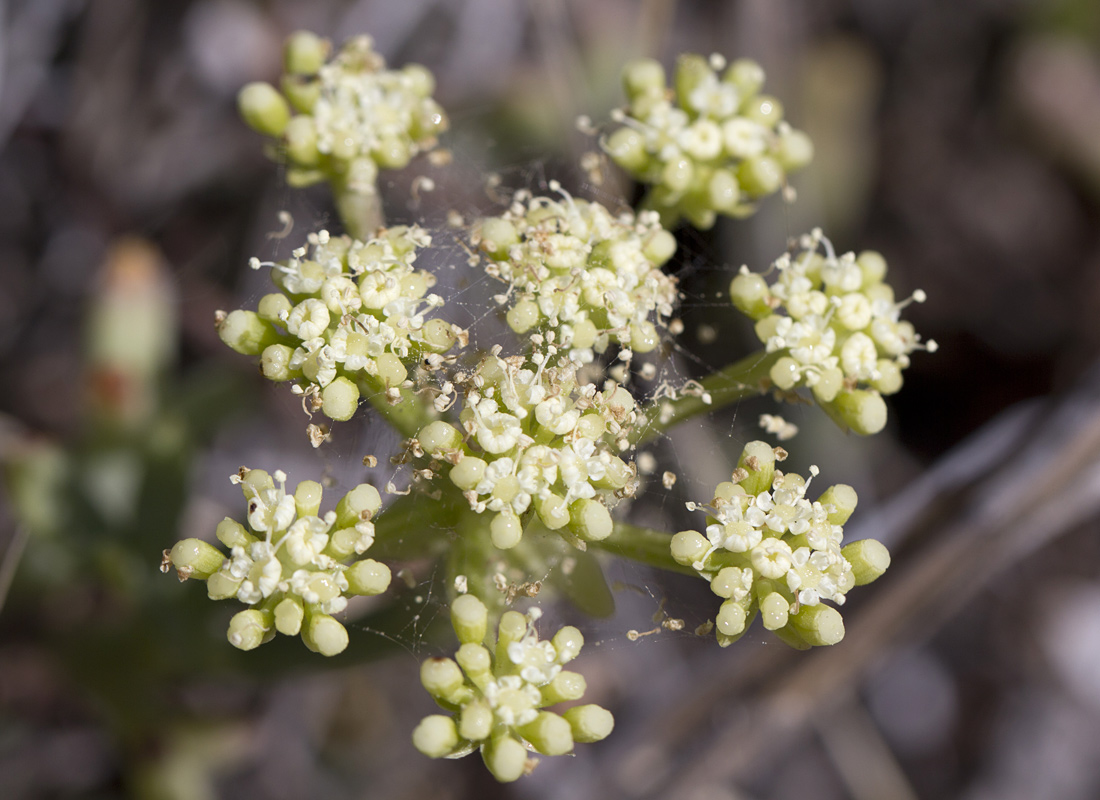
575,268
496,691
350,315
355,115
769,549
533,440
833,320
709,148
289,563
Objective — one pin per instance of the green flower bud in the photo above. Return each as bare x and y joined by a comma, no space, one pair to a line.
391,153
274,308
795,150
627,148
689,547
567,643
774,611
340,399
758,459
552,510
438,335
470,619
360,503
304,53
289,614
418,79
439,437
749,293
245,332
497,236
869,559
731,618
659,247
746,75
843,500
763,109
442,678
367,577
325,635
391,372
263,108
475,721
549,734
873,266
566,687
590,520
506,530
506,758
523,316
644,76
468,472
474,659
589,723
436,736
222,585
249,629
862,410
760,176
818,625
307,498
194,558
829,382
300,137
889,380
691,70
677,174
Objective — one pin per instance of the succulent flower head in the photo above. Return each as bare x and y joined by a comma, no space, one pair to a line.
496,693
711,144
835,326
348,317
768,548
290,568
535,442
574,269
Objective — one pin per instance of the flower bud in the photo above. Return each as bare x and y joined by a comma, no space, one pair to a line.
340,399
549,734
194,558
869,559
367,577
589,723
435,736
470,619
263,108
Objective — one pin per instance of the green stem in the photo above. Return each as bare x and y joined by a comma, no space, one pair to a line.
407,416
741,379
361,213
644,545
415,526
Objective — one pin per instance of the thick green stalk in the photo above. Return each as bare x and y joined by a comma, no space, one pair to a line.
644,545
408,416
361,212
743,378
415,526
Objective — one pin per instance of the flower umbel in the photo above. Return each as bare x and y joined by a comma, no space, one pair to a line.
572,267
837,326
770,550
290,568
709,145
349,317
496,691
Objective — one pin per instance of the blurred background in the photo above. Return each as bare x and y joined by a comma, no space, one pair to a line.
961,138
